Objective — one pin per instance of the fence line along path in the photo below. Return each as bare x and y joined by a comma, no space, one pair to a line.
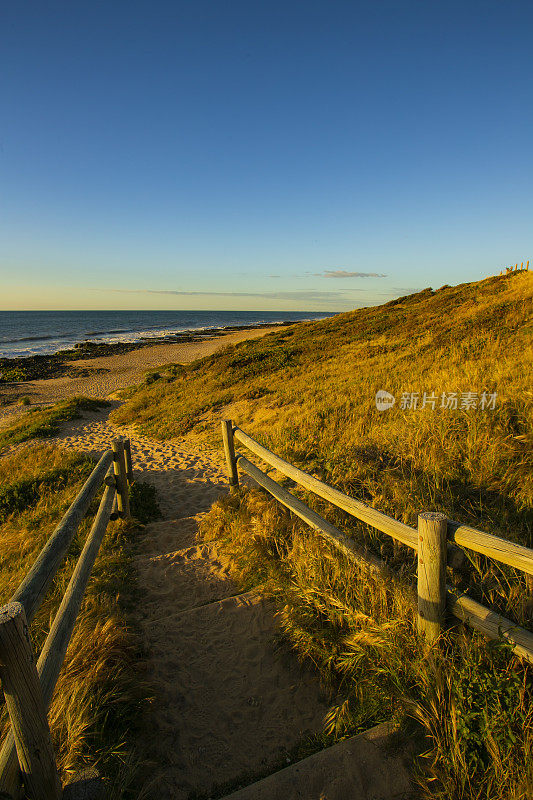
435,542
27,758
227,700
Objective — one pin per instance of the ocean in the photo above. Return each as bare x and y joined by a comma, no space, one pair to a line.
27,333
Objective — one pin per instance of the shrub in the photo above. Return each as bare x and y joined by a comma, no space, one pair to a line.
143,502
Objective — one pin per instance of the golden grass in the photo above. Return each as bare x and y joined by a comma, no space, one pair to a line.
307,393
100,693
472,702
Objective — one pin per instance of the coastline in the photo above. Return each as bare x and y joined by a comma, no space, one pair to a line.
100,371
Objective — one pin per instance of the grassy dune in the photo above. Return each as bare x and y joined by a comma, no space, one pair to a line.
100,693
42,422
308,394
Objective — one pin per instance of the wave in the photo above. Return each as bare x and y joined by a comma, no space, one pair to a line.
34,338
173,331
104,333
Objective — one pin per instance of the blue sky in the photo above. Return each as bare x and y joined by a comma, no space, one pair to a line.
261,155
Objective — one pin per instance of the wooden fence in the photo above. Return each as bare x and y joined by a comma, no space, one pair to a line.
516,268
26,758
437,541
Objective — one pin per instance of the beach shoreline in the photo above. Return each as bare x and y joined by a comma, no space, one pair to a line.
99,376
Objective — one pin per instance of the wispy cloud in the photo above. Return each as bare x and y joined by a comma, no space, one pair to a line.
342,273
336,273
331,297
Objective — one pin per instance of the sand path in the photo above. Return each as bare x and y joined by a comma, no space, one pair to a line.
230,702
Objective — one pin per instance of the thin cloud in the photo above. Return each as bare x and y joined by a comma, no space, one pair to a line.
336,273
342,273
303,295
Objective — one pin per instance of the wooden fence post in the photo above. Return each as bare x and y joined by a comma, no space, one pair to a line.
229,450
129,463
25,704
432,529
119,466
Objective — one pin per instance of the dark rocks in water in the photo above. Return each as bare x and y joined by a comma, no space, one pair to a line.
56,365
92,347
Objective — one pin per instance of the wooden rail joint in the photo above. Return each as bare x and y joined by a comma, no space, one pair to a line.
229,451
129,462
119,466
432,532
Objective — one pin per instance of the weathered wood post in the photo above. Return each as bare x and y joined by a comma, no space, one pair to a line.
229,450
432,529
129,463
119,467
25,704
529,601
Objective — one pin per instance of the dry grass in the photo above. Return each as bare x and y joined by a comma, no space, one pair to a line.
308,394
472,702
42,422
100,693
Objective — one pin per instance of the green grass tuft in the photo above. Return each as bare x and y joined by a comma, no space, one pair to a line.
143,502
43,422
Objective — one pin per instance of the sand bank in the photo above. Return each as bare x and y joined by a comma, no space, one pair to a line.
102,376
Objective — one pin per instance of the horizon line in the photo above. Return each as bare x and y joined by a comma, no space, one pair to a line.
172,310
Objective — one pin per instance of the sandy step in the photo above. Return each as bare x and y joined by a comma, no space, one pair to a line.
183,492
364,767
170,535
229,702
182,580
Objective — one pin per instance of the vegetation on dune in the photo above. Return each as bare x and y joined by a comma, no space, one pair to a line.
471,700
42,422
100,694
55,365
308,394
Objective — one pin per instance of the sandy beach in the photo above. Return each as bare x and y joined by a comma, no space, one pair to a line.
102,376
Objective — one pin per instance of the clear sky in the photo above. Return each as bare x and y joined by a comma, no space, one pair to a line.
261,155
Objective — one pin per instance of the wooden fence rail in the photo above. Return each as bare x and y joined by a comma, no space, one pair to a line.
26,756
437,543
